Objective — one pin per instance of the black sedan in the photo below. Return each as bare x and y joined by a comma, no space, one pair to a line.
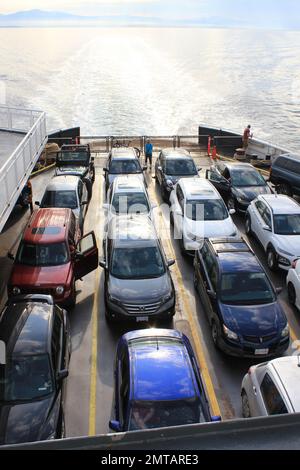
33,369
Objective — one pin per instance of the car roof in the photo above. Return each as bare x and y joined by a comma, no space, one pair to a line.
281,204
123,152
238,165
198,188
290,156
24,327
177,152
288,371
235,255
161,369
128,183
133,230
63,182
48,226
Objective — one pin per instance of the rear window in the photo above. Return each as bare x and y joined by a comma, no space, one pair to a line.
272,398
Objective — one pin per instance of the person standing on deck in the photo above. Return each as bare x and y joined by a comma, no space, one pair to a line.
148,153
246,136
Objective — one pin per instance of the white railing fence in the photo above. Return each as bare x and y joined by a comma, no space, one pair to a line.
15,172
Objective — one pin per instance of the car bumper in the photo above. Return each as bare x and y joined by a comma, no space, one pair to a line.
247,350
118,313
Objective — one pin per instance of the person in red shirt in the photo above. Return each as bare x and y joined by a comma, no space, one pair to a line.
246,136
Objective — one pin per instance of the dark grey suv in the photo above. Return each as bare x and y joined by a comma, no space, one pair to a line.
285,174
138,285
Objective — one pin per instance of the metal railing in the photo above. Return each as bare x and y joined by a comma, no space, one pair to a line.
16,170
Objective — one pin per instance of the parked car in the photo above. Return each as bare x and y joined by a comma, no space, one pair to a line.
122,161
285,174
33,379
52,256
67,191
77,160
198,212
128,195
275,222
138,285
272,388
293,284
157,382
171,165
238,183
245,315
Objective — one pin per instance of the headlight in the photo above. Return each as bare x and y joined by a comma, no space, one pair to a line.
191,236
242,199
60,290
230,334
286,331
283,252
16,290
166,298
111,298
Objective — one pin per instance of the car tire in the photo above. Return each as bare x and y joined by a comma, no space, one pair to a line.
231,203
291,294
215,334
272,259
248,225
285,189
245,405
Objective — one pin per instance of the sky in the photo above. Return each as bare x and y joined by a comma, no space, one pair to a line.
285,13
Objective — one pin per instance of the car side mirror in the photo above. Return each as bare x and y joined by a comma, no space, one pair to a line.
145,168
278,290
199,168
215,419
84,203
62,374
115,425
11,256
105,170
211,294
232,211
267,228
171,262
102,264
92,159
37,203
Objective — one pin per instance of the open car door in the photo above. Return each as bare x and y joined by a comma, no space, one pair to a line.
87,255
219,182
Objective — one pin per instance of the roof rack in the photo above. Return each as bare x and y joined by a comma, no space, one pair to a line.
231,240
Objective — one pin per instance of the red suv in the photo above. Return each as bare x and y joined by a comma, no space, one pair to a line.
52,256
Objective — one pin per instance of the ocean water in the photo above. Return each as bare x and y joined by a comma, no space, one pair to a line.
156,81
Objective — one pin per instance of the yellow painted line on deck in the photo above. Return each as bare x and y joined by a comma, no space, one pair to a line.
94,350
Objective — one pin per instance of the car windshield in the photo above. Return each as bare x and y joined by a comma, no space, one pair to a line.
180,167
64,199
25,378
53,254
137,263
243,178
158,414
128,166
244,288
132,203
287,224
75,158
210,209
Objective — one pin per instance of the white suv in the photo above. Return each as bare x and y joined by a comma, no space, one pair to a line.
275,222
128,195
272,388
197,212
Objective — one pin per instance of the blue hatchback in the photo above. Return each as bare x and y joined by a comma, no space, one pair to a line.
245,315
157,382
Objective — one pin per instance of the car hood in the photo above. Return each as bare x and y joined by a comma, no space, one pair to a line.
71,170
39,276
290,244
250,193
176,178
254,320
211,228
140,290
23,422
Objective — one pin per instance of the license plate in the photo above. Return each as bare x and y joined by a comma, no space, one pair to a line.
142,319
261,352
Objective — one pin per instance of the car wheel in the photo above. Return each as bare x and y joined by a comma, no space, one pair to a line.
245,405
291,294
285,189
272,259
215,333
248,225
231,203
